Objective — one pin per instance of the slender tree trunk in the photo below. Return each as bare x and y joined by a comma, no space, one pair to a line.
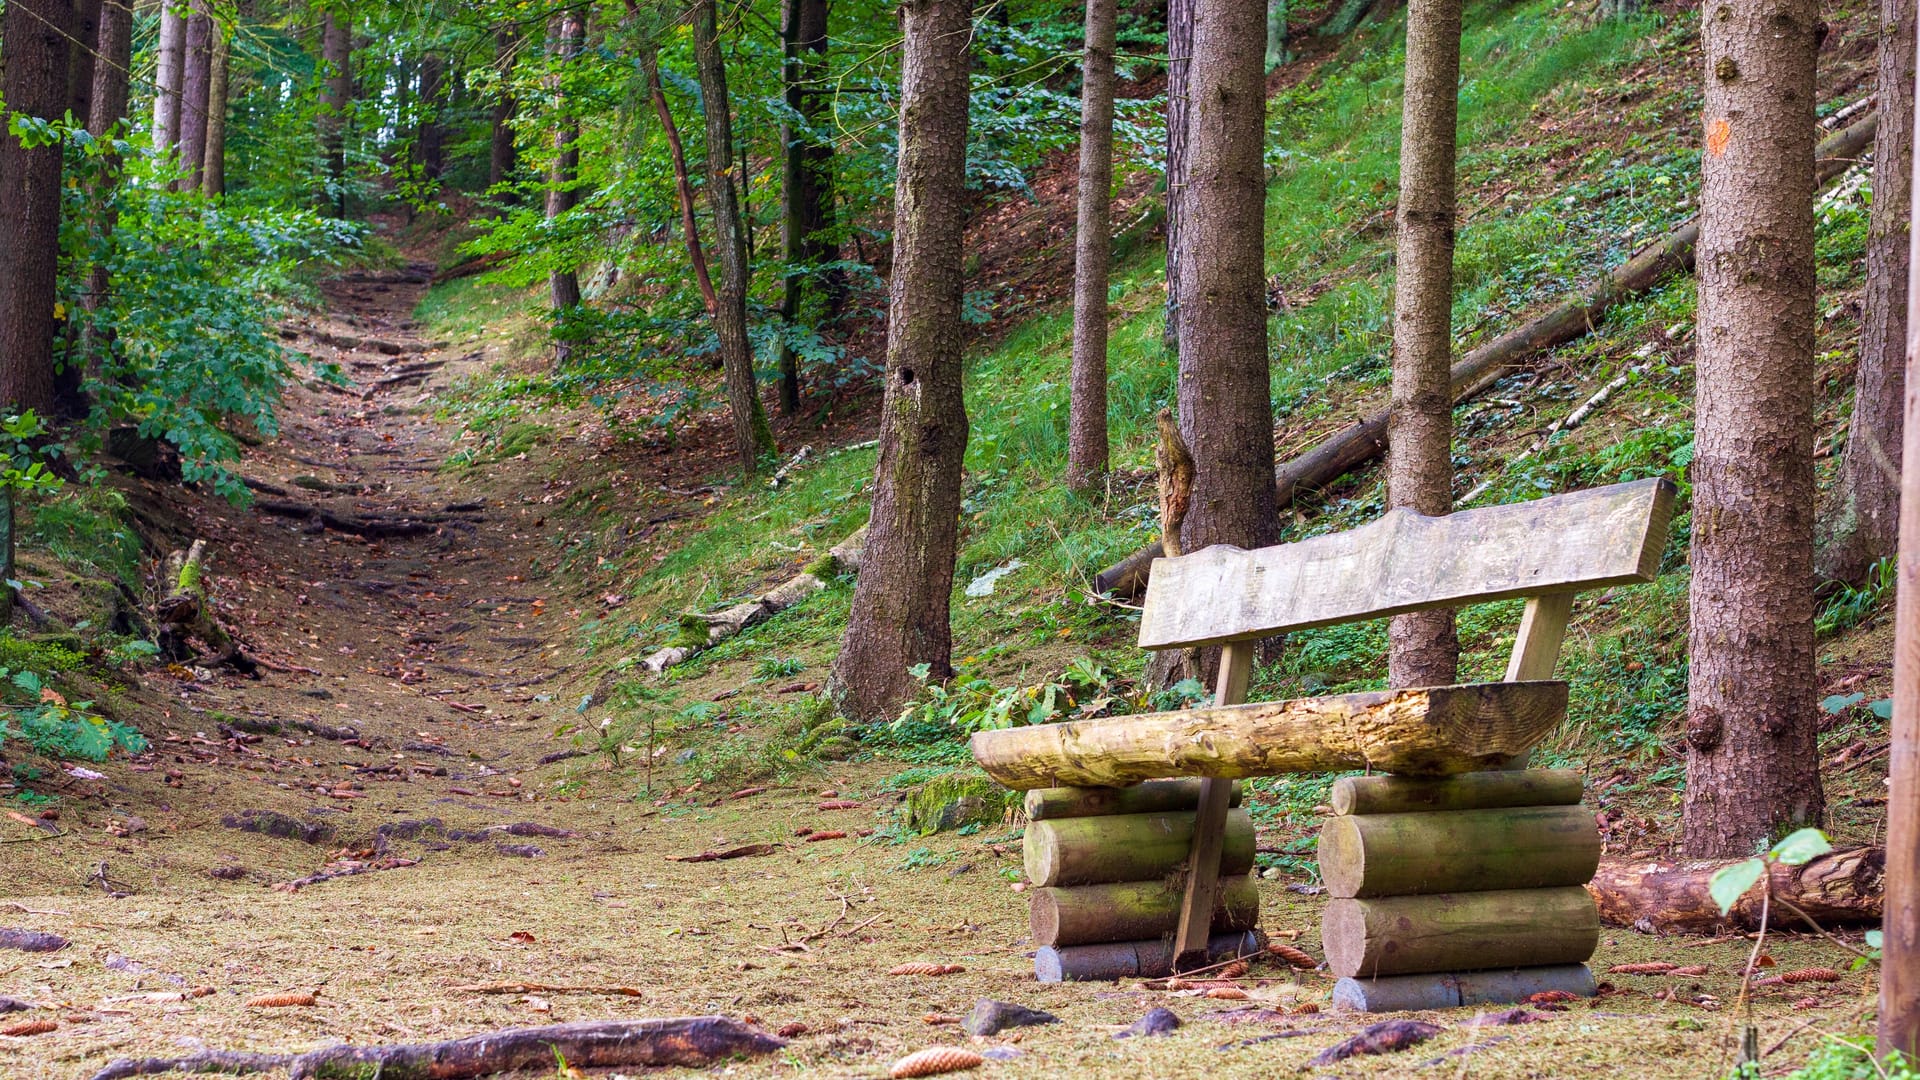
1752,766
196,91
806,193
564,285
1092,257
1225,404
108,108
1867,504
1179,64
81,58
168,67
336,56
1277,55
682,183
1424,650
33,82
501,155
213,167
432,134
901,604
752,438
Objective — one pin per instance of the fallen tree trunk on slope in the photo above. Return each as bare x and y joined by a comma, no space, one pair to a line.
703,630
1366,439
690,1042
1843,888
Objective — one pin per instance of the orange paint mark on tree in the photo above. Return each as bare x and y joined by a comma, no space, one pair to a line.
1718,135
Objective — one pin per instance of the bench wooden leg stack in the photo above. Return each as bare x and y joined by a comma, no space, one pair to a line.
1106,867
1465,890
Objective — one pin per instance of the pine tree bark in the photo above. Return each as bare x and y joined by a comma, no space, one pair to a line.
1752,766
33,82
213,165
111,85
1092,257
1179,64
807,189
752,438
682,183
901,605
336,57
501,149
82,54
1867,500
563,285
1423,648
168,66
432,132
196,91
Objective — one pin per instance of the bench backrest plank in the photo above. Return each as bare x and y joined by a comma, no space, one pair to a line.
1408,562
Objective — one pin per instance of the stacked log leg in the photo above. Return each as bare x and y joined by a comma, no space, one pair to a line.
1464,890
1107,868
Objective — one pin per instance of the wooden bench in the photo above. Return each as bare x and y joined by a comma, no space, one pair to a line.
1455,878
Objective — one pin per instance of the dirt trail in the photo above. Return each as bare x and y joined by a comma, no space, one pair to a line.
432,671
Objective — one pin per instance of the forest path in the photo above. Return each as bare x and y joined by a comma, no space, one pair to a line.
429,675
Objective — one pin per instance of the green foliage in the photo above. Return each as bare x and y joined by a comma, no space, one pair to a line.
1848,607
1731,882
45,721
967,704
1851,1058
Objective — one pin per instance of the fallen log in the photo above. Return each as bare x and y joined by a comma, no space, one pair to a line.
1467,791
1520,847
700,631
1426,731
1411,935
688,1042
1126,847
1366,438
1844,888
1133,911
185,614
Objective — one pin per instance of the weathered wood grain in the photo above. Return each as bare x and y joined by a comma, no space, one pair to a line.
1127,847
1151,797
1434,731
1209,824
1412,935
1149,959
1521,847
1133,911
1844,888
1411,993
1408,562
1467,791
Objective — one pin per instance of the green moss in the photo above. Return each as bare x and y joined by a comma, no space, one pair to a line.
955,801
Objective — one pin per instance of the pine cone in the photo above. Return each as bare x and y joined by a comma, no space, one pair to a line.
1692,969
1654,967
933,1061
922,968
30,1027
1227,993
1293,956
1550,997
281,1001
1235,970
1804,975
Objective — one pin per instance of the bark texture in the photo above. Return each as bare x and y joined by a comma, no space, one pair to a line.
682,184
752,438
213,163
33,83
336,55
196,88
169,62
564,285
501,151
1752,766
108,104
1660,897
1422,647
900,607
807,185
1179,66
1092,256
81,57
431,137
1867,504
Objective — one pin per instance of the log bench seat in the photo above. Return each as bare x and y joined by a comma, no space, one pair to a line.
1455,875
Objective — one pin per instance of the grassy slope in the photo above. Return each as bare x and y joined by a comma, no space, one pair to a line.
1576,149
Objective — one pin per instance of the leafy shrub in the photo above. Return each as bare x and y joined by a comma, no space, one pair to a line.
52,726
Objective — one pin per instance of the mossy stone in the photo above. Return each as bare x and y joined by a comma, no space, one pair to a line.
955,801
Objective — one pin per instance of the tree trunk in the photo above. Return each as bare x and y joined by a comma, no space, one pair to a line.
1867,501
564,285
1657,897
1752,767
752,438
81,57
213,167
196,88
807,190
1179,65
682,185
900,607
501,150
33,83
432,134
1423,649
1092,257
1277,54
1225,406
108,105
336,57
168,66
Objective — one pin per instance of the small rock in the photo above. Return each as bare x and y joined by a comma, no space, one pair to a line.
1157,1022
8,1005
320,692
990,1017
522,851
135,824
1002,1053
227,872
30,940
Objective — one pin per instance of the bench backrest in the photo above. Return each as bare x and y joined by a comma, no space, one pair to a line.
1552,547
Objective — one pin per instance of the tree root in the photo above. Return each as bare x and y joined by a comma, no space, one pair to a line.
373,527
689,1042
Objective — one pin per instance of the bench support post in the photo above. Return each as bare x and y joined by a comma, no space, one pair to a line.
1210,824
1542,627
